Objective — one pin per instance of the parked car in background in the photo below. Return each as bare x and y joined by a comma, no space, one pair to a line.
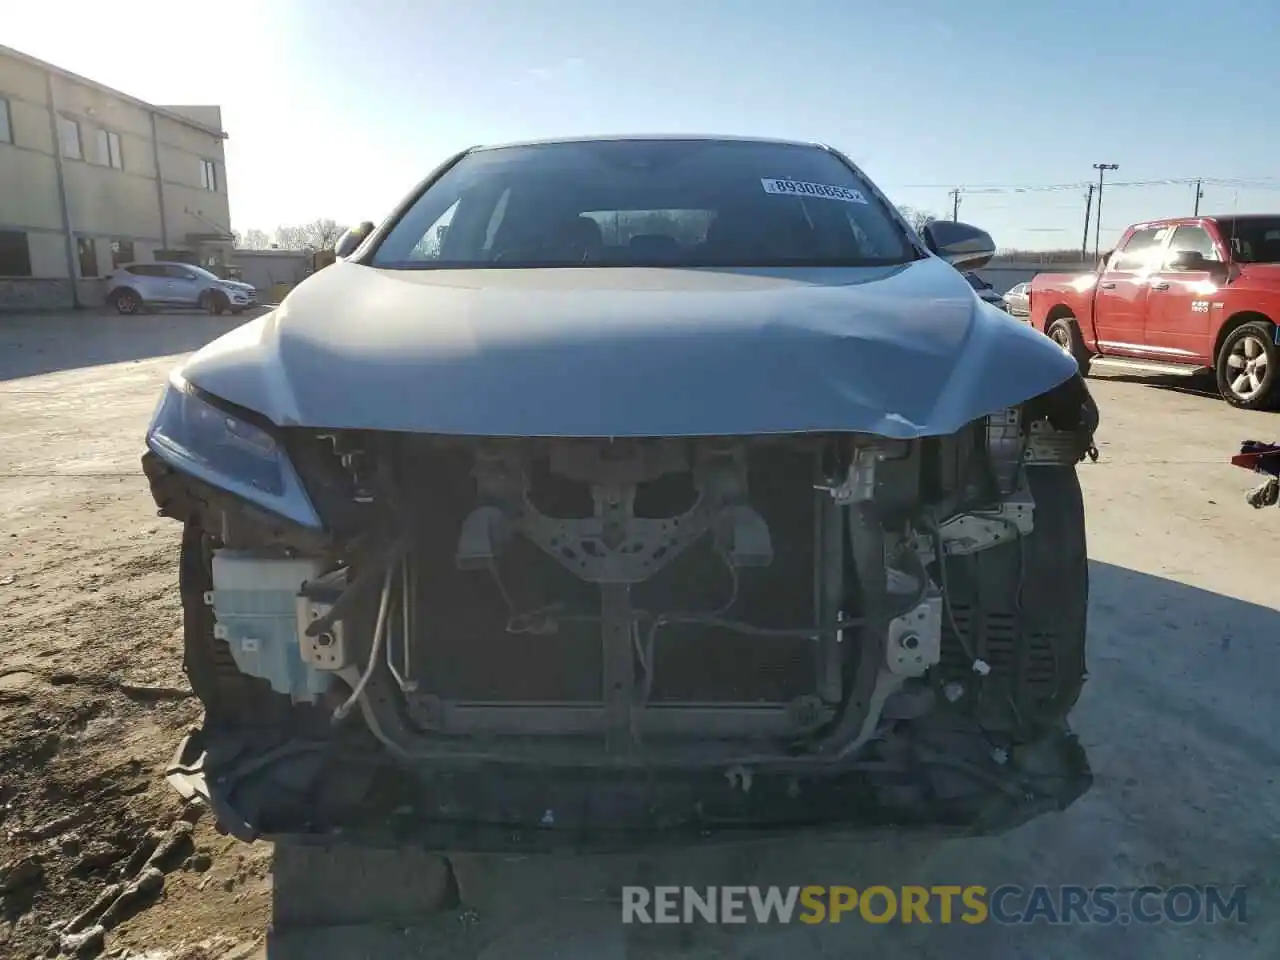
1177,296
138,286
985,290
1017,299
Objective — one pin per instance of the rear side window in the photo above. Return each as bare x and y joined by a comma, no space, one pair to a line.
1191,237
1140,251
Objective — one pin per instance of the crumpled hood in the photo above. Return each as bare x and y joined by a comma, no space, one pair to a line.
900,351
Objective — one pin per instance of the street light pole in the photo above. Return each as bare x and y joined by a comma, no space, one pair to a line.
1084,241
955,204
1102,168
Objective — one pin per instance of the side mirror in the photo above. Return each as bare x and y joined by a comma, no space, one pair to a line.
964,246
351,239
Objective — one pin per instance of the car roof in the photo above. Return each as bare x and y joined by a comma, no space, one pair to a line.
1214,218
157,263
612,138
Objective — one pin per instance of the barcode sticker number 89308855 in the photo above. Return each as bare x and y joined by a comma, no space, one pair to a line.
824,191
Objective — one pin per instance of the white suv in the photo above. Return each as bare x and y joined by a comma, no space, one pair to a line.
137,286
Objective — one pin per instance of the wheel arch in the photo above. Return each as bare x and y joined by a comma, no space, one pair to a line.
122,288
1060,311
1235,322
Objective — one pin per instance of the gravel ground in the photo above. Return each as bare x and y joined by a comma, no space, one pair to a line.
1178,719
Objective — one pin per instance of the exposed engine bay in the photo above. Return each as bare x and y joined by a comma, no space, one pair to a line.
738,608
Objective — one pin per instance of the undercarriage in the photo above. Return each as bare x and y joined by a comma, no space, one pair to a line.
699,635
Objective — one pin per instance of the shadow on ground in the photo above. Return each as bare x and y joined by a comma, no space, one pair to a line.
1201,384
32,344
1203,668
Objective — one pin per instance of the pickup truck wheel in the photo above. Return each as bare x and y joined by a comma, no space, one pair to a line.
1065,332
1248,366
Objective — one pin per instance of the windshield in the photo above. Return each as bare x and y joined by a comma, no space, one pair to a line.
200,272
1252,239
684,203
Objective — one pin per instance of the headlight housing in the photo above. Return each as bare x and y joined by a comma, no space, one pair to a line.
197,436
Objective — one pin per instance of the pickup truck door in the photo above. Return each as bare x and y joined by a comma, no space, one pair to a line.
1183,307
1120,298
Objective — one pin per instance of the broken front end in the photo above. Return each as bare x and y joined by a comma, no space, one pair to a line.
505,643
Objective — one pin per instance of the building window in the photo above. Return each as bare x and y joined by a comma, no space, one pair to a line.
109,154
209,175
69,137
15,255
6,125
121,252
87,250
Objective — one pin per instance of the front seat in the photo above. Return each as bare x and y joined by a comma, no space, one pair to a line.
577,239
654,247
759,234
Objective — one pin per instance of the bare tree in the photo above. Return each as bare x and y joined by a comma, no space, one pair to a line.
918,219
252,239
319,234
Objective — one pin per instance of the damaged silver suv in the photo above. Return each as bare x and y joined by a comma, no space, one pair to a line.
624,491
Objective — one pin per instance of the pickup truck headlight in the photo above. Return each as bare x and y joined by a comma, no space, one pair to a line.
227,451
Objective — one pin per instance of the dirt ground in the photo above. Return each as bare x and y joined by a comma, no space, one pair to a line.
1178,719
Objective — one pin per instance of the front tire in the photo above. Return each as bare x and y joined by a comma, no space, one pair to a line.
1248,367
1065,332
126,302
215,303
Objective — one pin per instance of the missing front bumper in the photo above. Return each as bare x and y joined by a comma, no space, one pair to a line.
311,791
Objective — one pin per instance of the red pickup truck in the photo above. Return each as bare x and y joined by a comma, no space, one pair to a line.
1178,296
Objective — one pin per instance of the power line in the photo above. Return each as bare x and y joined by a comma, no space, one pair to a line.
1251,183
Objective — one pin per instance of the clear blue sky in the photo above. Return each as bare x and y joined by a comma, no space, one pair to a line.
336,109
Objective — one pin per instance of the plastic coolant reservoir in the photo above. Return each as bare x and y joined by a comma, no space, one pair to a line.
255,613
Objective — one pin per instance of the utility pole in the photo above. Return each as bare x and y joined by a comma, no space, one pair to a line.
1199,197
1084,242
955,204
1102,168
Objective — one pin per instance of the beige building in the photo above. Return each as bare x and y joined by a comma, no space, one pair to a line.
91,178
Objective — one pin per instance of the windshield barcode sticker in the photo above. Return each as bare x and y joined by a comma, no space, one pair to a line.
798,188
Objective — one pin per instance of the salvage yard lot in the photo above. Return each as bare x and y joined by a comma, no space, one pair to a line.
1179,717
